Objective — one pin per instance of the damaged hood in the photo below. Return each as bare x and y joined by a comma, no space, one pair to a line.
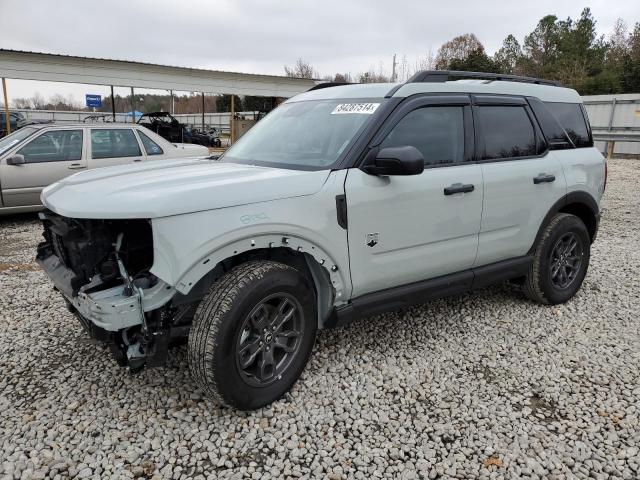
173,187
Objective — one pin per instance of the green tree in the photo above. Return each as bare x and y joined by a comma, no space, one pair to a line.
475,61
541,47
508,57
223,103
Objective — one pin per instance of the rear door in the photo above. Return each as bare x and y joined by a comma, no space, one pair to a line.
114,146
522,178
49,157
152,148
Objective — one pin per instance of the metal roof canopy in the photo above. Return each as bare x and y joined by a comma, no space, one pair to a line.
15,64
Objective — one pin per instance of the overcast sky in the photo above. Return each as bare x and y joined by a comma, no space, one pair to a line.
260,36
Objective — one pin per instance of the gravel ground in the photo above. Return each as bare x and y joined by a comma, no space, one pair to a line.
485,385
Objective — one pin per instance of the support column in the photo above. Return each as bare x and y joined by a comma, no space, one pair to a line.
609,128
611,145
113,104
233,123
7,118
133,108
173,107
203,130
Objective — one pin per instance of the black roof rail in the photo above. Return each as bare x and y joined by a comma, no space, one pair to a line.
327,85
436,76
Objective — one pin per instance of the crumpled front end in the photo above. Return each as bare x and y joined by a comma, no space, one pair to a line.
101,267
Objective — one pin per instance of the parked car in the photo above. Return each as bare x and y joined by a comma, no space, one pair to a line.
209,138
342,202
16,120
40,154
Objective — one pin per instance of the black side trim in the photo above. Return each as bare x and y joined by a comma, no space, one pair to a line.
579,197
501,271
420,292
341,210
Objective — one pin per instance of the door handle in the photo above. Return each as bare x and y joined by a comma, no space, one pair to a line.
459,188
544,178
138,160
76,166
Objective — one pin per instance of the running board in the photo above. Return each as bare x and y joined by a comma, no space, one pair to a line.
420,292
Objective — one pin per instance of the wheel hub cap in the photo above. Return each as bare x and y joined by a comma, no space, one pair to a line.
269,339
566,260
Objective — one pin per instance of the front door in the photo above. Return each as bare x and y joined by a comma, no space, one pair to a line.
49,157
406,229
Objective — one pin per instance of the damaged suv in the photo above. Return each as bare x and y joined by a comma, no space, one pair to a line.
343,202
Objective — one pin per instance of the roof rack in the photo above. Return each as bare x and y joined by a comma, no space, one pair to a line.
327,85
436,76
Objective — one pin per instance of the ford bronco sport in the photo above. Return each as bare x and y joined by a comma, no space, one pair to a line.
344,201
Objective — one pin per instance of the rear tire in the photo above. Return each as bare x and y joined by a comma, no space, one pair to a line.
561,260
252,335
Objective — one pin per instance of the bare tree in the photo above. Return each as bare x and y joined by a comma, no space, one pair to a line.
301,69
458,48
619,44
342,78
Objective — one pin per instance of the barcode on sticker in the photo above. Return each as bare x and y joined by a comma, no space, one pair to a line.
366,108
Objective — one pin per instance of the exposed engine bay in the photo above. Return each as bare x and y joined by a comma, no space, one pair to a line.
102,268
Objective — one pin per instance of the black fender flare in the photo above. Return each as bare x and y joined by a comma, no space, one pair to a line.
579,197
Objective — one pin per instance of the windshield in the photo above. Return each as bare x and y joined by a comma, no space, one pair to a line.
13,139
306,135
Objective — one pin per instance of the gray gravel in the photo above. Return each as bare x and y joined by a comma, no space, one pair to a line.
485,385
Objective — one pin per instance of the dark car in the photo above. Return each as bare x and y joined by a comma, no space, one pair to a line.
16,120
168,127
208,139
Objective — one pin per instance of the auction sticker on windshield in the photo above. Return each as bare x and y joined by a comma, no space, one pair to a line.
366,108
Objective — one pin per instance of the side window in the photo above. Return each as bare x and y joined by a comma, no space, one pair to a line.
117,142
438,132
572,120
507,132
54,146
151,147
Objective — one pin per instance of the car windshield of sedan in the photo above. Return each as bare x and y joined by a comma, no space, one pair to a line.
307,135
15,138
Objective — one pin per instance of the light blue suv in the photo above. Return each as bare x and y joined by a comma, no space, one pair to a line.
344,201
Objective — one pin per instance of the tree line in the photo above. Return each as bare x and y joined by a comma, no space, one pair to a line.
569,51
145,102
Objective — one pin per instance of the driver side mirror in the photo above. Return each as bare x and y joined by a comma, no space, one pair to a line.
396,161
16,160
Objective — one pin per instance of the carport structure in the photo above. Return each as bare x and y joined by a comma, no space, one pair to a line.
22,65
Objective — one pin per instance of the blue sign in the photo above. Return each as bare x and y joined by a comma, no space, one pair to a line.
93,100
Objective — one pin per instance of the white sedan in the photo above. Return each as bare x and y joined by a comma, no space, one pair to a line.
38,155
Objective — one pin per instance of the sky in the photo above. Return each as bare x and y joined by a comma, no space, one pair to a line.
261,36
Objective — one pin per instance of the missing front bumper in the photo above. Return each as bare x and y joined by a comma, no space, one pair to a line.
110,309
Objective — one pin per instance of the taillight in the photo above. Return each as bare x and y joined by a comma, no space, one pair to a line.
606,172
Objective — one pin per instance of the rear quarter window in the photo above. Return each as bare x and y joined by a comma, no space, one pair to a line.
572,119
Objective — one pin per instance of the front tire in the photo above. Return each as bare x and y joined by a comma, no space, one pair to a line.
561,260
253,334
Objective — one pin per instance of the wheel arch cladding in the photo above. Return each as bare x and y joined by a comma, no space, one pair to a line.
584,213
579,203
326,276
